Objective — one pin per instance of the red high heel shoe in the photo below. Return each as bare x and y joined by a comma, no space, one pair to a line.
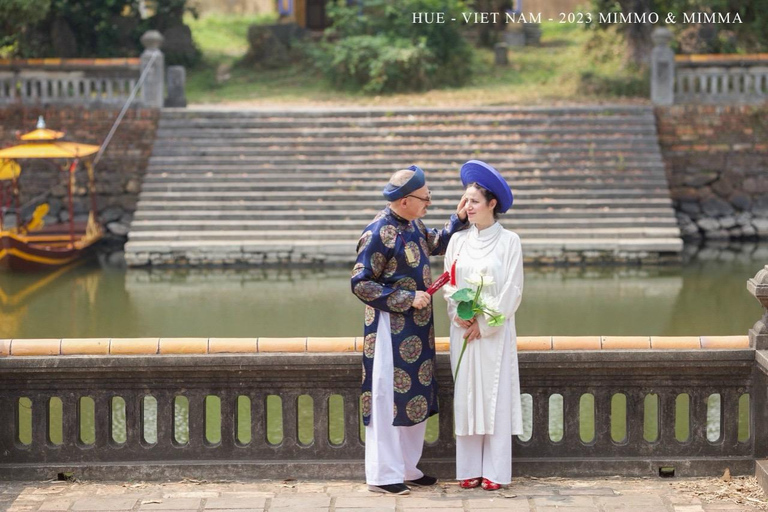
490,486
470,483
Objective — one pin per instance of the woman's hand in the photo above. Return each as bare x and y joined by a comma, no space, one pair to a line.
473,331
464,324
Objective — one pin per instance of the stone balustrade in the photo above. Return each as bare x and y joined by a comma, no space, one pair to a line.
68,81
710,79
275,408
720,84
93,82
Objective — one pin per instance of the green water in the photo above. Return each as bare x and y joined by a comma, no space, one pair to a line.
703,297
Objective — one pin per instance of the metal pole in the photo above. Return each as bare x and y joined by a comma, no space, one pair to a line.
18,206
128,102
2,204
70,180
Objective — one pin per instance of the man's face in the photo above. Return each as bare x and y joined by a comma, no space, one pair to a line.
416,203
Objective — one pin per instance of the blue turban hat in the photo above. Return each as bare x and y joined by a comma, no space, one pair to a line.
393,192
489,178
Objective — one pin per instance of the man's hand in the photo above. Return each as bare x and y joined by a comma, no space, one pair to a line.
422,299
461,209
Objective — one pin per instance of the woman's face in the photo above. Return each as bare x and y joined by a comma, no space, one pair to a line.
479,210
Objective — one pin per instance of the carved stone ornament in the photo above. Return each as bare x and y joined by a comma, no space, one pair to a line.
758,287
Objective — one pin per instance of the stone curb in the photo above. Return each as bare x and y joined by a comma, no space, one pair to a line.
204,346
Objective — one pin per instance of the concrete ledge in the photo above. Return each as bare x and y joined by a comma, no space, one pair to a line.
354,468
761,473
186,346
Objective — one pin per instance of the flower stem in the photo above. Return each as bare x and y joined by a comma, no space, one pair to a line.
461,356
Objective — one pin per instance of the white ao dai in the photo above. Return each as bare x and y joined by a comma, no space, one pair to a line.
484,394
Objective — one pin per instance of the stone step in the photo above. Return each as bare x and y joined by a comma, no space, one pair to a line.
347,247
224,112
149,210
375,195
172,139
498,119
422,143
249,224
402,161
178,201
402,151
436,178
274,234
225,133
257,185
537,169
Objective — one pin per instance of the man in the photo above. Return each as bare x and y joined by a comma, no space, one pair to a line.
390,276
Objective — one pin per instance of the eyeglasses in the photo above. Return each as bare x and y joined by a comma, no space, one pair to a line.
428,199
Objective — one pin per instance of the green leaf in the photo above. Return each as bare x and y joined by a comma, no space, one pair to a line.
465,311
463,295
496,321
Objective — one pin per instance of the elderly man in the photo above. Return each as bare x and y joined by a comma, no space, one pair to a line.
391,276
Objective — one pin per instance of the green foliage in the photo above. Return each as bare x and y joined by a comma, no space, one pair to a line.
16,15
749,36
92,28
377,48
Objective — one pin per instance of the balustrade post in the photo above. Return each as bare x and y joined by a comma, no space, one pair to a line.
177,77
758,287
662,68
758,339
152,91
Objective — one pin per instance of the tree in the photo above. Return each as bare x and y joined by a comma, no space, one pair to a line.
749,36
17,15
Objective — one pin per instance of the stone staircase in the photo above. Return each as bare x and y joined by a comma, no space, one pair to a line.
245,187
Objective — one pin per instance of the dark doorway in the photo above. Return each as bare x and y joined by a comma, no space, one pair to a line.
316,15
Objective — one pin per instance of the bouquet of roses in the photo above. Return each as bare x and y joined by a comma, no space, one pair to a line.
472,303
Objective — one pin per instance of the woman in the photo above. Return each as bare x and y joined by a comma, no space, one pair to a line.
487,409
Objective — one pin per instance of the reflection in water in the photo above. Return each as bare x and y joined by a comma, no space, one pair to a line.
707,296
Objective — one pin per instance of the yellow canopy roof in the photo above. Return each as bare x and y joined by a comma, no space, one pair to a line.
9,170
42,134
55,149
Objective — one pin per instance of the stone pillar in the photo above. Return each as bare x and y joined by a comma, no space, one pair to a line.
153,90
177,77
501,54
662,68
758,287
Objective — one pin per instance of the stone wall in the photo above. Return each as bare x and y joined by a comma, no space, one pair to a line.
118,174
717,165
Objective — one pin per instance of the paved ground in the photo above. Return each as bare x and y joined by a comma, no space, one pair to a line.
524,495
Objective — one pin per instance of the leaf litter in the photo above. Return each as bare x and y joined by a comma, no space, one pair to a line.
742,490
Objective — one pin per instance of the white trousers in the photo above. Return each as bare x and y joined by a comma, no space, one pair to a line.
391,453
490,455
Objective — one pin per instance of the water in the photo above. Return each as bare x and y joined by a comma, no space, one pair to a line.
706,296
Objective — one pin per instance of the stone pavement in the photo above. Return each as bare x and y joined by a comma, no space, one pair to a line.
524,495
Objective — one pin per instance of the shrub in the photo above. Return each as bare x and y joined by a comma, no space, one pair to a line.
376,48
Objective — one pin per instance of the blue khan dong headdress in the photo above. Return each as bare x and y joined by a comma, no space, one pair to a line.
489,178
393,193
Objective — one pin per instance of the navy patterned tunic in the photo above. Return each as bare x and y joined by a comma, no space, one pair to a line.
392,263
